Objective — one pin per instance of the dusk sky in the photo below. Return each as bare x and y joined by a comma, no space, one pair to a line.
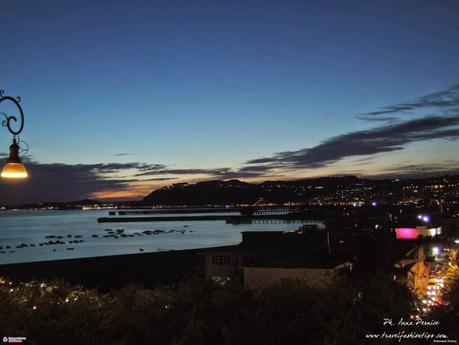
122,97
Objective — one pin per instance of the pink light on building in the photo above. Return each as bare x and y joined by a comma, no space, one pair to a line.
406,233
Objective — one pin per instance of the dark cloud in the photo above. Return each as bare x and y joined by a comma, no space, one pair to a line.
67,182
160,179
56,182
420,170
445,99
114,167
64,182
238,174
388,138
164,171
221,173
257,168
123,154
377,118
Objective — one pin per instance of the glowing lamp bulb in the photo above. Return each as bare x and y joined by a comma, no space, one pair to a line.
14,168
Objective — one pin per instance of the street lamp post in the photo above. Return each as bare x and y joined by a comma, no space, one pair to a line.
14,168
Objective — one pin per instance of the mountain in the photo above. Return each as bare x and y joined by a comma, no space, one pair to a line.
343,189
238,192
205,193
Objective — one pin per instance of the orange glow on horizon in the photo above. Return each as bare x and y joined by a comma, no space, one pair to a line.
118,194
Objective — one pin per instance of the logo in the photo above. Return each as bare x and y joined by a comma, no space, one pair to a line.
14,340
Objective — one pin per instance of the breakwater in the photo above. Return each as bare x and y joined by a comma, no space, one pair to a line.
232,219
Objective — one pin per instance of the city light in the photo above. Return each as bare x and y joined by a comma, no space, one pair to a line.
406,233
424,218
435,250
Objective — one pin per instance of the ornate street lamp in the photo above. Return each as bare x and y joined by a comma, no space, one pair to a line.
13,168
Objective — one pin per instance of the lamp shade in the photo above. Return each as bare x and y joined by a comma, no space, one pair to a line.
14,168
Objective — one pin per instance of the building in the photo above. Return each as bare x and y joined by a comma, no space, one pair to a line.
266,257
316,275
413,270
414,232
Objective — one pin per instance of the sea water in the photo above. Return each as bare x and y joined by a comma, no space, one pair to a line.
32,227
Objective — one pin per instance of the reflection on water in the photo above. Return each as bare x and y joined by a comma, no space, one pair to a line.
29,229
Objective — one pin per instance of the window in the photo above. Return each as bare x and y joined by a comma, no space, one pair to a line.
220,260
247,260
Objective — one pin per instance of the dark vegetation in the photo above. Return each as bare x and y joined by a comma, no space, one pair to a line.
197,311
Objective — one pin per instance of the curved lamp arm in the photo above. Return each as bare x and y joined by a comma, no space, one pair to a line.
9,119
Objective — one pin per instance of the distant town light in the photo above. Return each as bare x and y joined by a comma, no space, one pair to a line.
374,203
435,250
426,219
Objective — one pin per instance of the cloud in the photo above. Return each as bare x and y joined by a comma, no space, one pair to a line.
165,171
445,99
160,179
62,182
377,118
257,168
68,182
238,174
65,182
123,154
420,170
114,167
219,173
387,138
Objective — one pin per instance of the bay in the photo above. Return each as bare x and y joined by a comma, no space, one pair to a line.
31,228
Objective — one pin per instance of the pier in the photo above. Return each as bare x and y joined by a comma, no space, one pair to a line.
230,219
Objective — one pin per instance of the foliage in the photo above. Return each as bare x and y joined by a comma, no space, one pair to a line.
198,311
